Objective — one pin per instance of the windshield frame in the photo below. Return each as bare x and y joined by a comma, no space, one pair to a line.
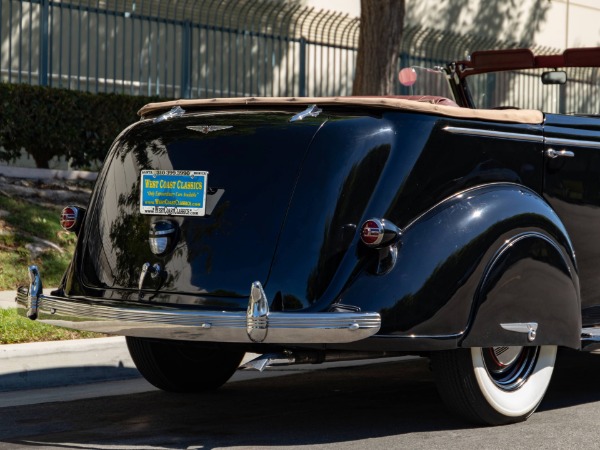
520,59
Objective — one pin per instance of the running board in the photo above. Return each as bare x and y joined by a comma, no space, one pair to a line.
590,339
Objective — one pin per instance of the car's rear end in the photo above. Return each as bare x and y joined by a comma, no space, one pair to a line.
303,230
275,223
191,230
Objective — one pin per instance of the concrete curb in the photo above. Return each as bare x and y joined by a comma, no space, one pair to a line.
62,363
7,299
54,364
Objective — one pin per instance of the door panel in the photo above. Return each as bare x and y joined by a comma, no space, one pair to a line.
572,187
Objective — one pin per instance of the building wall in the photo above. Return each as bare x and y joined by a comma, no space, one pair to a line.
550,23
257,47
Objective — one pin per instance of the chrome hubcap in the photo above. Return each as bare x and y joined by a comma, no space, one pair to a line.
505,356
509,367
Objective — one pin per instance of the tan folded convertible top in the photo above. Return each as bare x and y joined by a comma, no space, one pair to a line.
426,106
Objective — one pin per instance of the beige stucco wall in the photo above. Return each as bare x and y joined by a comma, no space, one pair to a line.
552,23
573,23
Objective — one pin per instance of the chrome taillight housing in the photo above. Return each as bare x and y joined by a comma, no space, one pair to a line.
378,233
71,218
384,238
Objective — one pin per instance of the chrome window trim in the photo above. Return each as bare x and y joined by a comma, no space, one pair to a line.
494,134
522,137
571,142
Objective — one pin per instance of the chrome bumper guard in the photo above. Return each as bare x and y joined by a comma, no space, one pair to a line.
257,324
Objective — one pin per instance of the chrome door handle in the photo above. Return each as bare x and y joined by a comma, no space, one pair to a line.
551,153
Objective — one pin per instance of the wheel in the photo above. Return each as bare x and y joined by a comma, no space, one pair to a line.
496,385
182,366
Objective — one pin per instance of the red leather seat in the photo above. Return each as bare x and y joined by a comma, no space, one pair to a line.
434,99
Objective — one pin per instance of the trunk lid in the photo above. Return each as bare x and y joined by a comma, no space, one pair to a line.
252,160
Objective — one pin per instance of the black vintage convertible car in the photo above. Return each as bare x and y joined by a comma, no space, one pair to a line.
459,226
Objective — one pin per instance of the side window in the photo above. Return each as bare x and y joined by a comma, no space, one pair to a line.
524,89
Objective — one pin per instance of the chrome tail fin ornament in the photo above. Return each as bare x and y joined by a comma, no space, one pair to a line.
35,292
529,328
257,315
311,111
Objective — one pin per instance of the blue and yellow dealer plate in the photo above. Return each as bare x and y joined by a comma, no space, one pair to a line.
173,192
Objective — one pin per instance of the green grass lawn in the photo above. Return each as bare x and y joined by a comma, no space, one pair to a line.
15,329
27,224
24,224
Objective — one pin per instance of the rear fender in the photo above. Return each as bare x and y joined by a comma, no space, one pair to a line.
460,270
528,288
529,295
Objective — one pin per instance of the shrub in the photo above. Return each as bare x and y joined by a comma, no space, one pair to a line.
49,122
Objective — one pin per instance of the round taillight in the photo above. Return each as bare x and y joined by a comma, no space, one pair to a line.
379,233
372,232
70,218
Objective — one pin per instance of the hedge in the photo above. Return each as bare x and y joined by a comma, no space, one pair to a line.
49,122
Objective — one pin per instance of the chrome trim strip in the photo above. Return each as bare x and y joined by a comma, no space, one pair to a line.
157,233
208,326
590,333
571,142
494,134
522,137
590,339
529,328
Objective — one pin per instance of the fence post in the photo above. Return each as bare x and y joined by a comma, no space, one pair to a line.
44,43
403,63
186,56
302,69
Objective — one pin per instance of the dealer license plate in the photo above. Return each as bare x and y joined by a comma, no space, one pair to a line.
173,192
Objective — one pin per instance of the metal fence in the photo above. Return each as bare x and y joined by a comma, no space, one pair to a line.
178,48
188,48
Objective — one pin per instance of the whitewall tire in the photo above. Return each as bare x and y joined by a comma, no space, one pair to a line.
496,385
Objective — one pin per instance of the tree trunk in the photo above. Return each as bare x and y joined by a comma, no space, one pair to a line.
381,26
42,161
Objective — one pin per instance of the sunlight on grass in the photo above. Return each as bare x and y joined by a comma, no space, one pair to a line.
24,223
27,224
15,329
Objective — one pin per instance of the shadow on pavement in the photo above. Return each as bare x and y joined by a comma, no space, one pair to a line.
67,376
327,407
575,380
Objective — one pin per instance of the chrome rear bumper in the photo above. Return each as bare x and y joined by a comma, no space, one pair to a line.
257,324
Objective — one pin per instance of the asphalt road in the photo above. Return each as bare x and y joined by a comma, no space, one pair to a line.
379,406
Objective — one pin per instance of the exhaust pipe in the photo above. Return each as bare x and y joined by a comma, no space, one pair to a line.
289,358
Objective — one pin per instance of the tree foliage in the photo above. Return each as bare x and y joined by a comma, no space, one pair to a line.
381,26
